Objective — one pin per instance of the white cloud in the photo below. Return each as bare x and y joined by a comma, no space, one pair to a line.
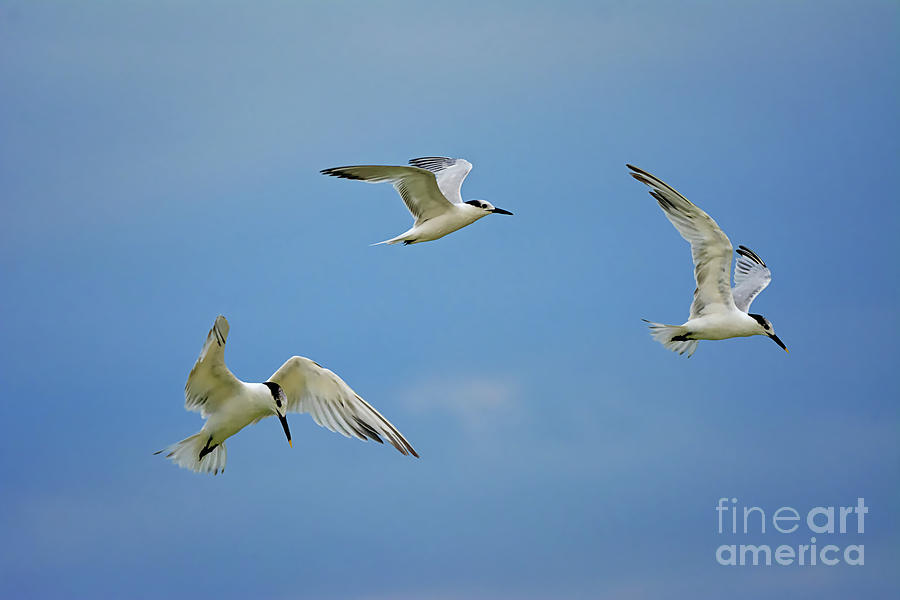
477,402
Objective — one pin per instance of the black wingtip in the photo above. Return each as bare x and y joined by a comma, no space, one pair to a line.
641,176
664,203
637,171
368,432
428,158
745,251
336,172
435,161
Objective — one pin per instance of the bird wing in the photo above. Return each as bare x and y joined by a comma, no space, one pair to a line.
313,389
751,276
418,187
449,172
710,247
210,382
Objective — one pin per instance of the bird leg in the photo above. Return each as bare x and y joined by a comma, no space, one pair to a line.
207,448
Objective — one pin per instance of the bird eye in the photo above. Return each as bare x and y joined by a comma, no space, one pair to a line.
278,402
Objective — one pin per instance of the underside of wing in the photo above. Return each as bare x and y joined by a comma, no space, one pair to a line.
210,382
311,388
449,172
418,187
710,247
751,276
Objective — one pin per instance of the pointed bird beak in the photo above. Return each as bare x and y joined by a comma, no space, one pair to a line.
779,342
287,431
501,211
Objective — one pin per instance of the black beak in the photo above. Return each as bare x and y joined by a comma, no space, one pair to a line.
500,211
287,431
779,342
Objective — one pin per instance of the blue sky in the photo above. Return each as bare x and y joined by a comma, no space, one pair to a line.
159,166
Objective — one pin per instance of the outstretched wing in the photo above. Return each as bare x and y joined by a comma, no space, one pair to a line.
313,389
210,381
710,247
449,172
418,187
751,276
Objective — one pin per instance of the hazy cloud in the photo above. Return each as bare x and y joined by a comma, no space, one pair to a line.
475,401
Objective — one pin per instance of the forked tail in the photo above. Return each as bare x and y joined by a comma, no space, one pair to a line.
672,337
394,240
195,454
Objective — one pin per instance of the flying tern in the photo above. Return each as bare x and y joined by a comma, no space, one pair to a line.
430,188
718,311
300,385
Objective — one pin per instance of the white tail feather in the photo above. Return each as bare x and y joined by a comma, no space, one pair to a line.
664,334
186,453
390,242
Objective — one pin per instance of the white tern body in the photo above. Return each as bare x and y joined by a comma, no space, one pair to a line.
718,312
300,385
430,188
